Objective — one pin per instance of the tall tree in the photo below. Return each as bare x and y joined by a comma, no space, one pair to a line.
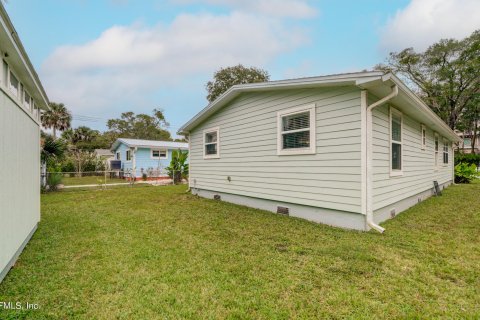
56,117
140,126
225,78
445,75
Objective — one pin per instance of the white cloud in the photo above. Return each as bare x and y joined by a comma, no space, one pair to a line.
126,64
424,22
276,8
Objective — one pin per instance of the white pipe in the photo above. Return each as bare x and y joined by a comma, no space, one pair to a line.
369,145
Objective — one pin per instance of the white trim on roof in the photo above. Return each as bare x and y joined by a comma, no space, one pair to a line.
140,143
359,79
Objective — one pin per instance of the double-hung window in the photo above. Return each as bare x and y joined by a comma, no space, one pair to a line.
436,150
395,142
159,153
5,74
296,131
117,155
423,138
14,85
211,143
445,152
128,155
27,101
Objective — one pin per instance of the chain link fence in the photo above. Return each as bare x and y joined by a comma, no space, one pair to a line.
52,181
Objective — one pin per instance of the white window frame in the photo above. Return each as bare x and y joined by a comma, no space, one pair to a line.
16,94
159,152
423,137
127,155
396,172
281,114
211,156
436,150
445,147
29,106
117,155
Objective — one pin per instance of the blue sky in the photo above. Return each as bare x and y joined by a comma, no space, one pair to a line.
102,58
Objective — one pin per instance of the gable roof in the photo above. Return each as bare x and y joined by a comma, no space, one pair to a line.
377,83
15,55
149,144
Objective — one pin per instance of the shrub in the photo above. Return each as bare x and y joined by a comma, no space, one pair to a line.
465,173
144,176
178,168
469,158
54,178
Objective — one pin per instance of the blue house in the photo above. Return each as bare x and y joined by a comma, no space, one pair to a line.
147,157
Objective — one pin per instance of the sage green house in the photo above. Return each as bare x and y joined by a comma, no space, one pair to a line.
21,97
348,150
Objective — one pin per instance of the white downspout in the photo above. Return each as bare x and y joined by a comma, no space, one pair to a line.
369,156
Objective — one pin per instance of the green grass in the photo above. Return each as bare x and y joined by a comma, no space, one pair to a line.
157,252
89,180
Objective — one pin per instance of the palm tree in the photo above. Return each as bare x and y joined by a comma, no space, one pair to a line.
57,117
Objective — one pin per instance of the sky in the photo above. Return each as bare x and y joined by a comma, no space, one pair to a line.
104,57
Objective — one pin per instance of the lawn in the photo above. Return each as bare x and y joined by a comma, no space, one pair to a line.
156,252
89,180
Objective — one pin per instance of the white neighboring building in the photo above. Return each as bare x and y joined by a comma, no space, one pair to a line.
21,97
348,150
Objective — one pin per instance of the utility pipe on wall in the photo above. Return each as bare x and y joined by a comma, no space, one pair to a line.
369,155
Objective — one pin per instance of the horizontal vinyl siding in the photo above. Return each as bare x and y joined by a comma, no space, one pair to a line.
419,170
248,150
20,177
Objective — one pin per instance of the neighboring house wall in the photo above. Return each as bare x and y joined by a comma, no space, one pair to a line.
20,178
142,160
330,178
419,169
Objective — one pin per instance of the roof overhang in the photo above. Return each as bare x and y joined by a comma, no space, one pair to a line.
408,103
376,82
15,55
119,141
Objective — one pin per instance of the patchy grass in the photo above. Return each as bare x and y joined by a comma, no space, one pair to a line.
156,252
89,180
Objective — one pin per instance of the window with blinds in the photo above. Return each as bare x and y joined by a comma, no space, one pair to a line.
296,131
396,142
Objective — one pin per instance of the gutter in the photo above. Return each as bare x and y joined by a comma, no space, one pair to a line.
369,154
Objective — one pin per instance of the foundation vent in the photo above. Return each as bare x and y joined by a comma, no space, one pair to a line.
393,213
283,210
217,197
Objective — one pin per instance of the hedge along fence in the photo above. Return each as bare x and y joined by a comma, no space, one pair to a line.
468,158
